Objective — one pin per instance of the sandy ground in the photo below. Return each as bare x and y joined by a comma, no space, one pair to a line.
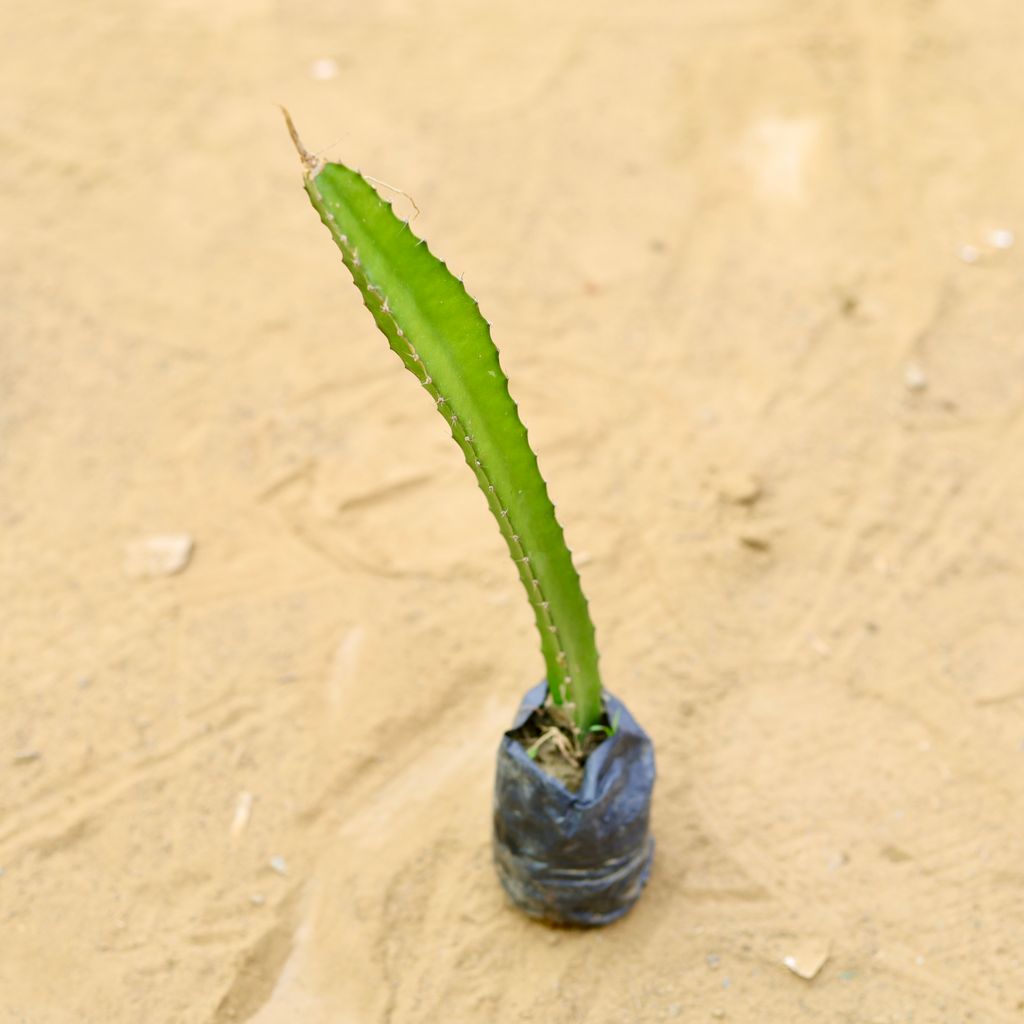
748,265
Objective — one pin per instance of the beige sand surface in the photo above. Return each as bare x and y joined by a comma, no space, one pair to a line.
781,407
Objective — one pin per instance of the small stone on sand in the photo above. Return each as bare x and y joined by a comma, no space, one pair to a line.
160,554
807,960
914,377
1001,238
323,69
739,489
243,810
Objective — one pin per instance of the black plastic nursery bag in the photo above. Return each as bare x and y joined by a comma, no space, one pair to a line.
575,858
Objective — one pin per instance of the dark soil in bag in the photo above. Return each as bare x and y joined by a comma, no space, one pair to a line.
579,858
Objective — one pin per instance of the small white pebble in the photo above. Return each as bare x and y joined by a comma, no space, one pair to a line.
1001,238
160,554
968,253
243,810
807,962
257,899
914,377
279,864
323,69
